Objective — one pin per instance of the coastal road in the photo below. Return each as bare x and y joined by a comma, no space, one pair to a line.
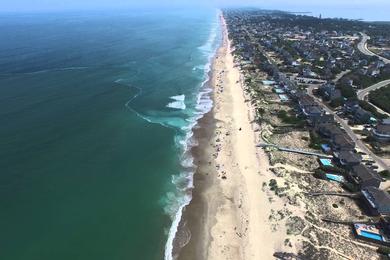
361,94
349,131
362,46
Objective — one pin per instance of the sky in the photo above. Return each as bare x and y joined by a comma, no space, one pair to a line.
365,9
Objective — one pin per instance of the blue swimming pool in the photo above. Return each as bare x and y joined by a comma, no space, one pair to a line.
326,162
283,97
335,177
371,235
268,82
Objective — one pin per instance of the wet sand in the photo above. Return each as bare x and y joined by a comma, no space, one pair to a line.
228,215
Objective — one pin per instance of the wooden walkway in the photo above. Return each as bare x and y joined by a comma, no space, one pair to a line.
293,150
341,194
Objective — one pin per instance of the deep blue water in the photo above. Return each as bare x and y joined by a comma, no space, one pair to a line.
95,117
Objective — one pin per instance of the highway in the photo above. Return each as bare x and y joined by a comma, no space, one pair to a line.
362,46
349,131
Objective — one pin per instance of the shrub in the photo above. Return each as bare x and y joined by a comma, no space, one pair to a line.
337,102
315,141
334,169
319,173
384,250
288,118
385,174
366,106
381,97
350,187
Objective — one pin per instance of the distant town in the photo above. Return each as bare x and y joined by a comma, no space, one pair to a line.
321,91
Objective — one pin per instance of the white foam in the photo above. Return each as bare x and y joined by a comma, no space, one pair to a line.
179,97
204,105
173,230
54,70
178,103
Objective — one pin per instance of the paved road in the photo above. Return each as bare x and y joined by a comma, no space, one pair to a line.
362,46
361,94
349,131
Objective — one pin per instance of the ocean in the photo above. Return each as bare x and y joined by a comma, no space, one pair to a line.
96,118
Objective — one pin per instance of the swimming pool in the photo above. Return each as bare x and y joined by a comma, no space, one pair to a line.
283,97
268,82
326,162
335,177
370,235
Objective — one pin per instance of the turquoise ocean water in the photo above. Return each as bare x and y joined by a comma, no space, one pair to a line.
96,112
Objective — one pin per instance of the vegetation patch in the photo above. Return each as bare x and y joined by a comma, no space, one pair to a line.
366,106
315,141
381,97
385,174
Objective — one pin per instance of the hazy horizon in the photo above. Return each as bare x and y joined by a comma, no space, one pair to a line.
375,10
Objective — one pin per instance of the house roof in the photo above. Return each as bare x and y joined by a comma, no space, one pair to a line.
360,112
313,109
383,128
363,173
348,157
342,140
330,129
307,100
324,119
386,121
352,104
378,199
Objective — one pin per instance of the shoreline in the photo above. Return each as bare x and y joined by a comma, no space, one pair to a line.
228,212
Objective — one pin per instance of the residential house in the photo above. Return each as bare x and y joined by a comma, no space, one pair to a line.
364,177
377,201
381,132
342,142
305,101
347,158
322,120
361,116
329,92
312,111
328,130
351,106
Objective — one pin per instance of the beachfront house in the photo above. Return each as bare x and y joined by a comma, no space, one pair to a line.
311,112
329,130
306,101
361,116
347,159
342,142
381,132
377,201
363,177
376,233
318,121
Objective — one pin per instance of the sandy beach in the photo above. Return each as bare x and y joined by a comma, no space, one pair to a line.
250,203
228,217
